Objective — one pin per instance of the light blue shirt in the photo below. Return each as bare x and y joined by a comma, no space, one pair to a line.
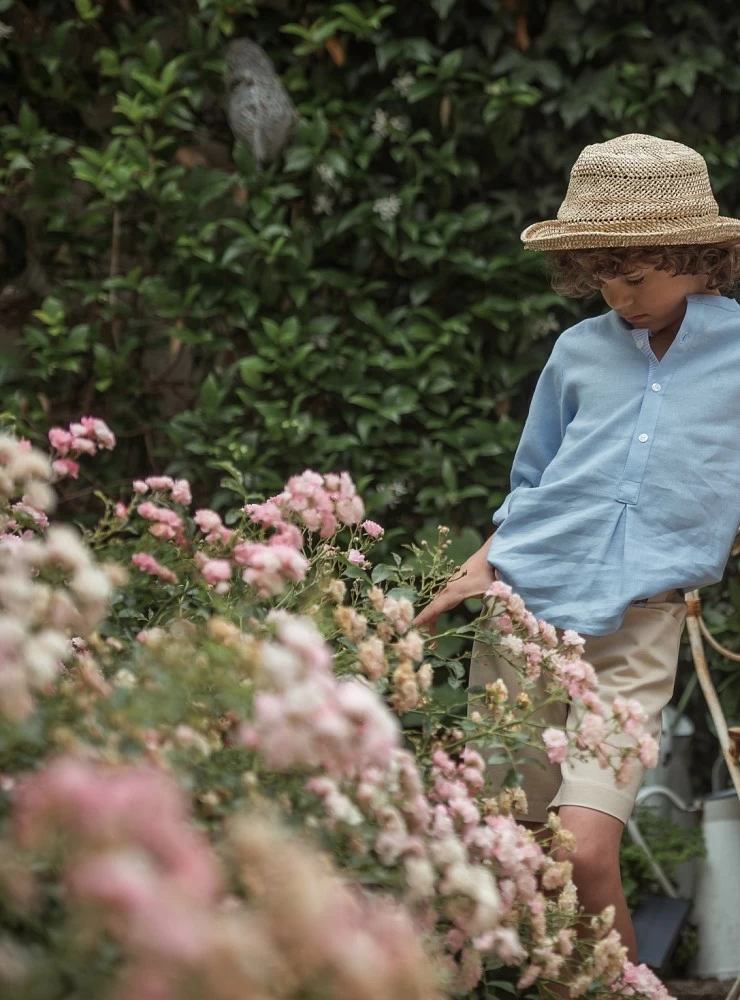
626,481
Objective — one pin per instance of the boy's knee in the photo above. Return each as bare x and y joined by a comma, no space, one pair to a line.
593,862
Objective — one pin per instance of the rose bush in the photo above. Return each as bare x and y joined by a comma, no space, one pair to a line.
234,768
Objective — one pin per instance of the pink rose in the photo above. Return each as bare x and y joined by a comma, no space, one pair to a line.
216,570
60,439
181,492
556,744
66,467
357,559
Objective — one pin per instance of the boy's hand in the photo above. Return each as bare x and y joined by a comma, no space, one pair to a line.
473,580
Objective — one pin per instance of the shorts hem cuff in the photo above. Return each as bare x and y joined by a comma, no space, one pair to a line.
596,797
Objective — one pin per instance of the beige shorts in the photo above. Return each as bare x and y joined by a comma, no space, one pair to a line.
638,661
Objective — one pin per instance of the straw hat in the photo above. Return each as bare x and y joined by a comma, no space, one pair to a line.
635,190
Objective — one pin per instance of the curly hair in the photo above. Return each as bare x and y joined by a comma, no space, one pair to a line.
578,273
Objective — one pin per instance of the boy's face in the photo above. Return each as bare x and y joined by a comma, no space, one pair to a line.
651,299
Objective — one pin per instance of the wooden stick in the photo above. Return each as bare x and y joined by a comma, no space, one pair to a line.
693,624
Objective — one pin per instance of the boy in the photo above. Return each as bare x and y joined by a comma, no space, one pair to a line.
625,487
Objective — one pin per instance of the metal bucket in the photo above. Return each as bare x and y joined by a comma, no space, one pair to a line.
717,895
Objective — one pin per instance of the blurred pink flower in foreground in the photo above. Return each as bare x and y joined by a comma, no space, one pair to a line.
143,874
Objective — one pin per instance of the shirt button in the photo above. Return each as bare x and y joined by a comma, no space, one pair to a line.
656,386
643,438
640,343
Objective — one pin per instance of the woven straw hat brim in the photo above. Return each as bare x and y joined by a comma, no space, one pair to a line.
554,235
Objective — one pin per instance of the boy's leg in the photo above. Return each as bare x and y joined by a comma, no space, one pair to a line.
540,778
596,867
638,661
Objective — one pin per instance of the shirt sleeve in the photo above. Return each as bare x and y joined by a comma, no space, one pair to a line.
550,412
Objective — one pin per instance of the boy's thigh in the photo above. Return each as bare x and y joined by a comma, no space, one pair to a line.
637,662
540,778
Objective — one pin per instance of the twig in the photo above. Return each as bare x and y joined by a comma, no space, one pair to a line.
115,246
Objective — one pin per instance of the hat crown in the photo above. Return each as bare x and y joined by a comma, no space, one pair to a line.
638,178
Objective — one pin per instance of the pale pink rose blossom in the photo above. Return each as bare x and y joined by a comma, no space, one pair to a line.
512,644
38,517
160,482
120,510
503,624
591,730
181,492
60,440
221,536
357,558
85,445
216,570
97,429
572,638
648,751
150,636
66,467
500,590
515,605
207,520
373,529
630,714
638,980
140,486
148,564
270,567
548,632
627,770
287,534
556,744
164,515
577,676
162,531
267,514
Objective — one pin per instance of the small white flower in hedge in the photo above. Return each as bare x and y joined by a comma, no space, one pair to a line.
403,83
323,204
327,174
387,208
380,122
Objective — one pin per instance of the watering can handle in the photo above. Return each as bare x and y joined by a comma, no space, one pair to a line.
637,838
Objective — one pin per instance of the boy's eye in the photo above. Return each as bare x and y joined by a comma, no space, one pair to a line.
634,281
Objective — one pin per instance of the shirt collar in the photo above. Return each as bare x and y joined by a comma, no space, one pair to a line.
693,304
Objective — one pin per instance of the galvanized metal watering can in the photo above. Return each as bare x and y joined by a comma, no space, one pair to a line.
717,889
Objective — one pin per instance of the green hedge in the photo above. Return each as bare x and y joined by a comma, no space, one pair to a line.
281,317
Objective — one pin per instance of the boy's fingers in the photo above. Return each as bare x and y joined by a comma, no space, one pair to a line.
428,617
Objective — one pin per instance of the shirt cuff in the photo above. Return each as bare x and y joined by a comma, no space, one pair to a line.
500,515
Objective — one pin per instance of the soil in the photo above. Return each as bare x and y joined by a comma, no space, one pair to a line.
699,989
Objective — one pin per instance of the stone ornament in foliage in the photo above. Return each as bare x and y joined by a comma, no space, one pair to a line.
260,111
